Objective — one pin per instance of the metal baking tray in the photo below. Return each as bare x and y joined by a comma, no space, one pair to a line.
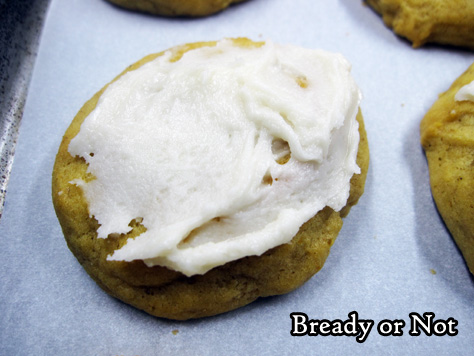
393,256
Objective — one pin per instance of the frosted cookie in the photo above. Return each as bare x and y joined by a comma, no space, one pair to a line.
447,136
212,174
427,21
193,8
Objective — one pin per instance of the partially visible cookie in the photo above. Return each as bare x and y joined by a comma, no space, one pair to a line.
448,22
192,8
447,136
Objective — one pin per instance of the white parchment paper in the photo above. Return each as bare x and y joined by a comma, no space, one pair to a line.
393,256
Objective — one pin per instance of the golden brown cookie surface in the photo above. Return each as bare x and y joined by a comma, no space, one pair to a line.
447,136
165,293
426,21
193,8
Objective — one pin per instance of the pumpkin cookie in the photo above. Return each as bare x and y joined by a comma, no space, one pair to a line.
447,136
240,188
192,8
448,22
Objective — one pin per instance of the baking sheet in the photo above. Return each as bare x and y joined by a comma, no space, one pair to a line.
21,22
393,256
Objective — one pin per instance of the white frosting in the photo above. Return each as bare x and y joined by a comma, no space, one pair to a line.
466,93
190,149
